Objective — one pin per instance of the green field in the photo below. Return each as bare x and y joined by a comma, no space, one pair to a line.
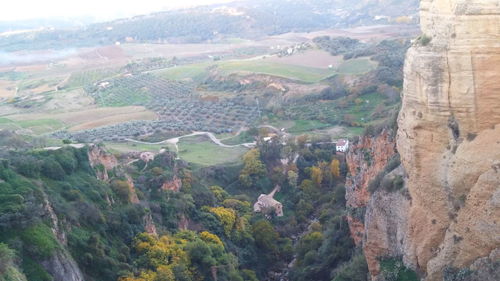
39,126
136,147
122,96
198,71
191,71
206,153
356,66
83,78
302,126
301,73
243,137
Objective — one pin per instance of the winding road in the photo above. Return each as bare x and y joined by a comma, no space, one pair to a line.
211,136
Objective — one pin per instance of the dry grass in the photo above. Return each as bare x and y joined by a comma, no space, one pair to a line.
91,118
116,119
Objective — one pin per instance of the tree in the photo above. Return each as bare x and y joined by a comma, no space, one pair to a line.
293,178
210,238
6,257
265,236
253,167
122,189
316,176
226,216
302,140
219,193
335,168
52,169
309,188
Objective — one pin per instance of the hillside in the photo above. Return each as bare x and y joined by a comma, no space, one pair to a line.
301,140
243,19
82,213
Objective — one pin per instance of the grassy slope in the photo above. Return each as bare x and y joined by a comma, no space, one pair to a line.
302,73
207,153
39,126
356,66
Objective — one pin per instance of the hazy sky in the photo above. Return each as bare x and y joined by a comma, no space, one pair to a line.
101,9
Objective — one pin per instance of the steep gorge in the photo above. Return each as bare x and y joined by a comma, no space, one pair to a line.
449,143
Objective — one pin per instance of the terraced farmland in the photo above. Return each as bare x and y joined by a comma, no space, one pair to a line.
178,106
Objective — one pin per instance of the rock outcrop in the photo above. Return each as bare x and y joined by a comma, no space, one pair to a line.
174,185
449,143
377,218
366,159
101,161
62,267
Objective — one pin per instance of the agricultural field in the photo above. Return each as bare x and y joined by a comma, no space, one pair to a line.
302,126
309,58
261,66
83,78
206,153
356,66
35,127
151,92
194,72
126,147
76,120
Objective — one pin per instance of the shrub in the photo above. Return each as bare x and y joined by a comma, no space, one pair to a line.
456,274
39,240
375,183
52,169
122,189
393,163
354,270
210,238
6,257
471,136
424,40
392,268
226,216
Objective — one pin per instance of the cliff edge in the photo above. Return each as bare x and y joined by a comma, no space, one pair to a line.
449,136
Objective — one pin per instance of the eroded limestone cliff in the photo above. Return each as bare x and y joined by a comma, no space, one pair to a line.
449,135
447,220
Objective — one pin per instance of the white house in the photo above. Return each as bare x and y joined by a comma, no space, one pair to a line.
342,145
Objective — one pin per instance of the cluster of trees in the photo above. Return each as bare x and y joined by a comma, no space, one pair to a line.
338,45
185,256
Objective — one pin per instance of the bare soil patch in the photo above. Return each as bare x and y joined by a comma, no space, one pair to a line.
311,58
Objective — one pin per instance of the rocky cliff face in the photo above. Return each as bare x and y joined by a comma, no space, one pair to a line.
449,136
446,219
102,161
377,217
366,159
62,267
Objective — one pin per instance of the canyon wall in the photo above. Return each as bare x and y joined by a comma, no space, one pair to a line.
445,219
449,136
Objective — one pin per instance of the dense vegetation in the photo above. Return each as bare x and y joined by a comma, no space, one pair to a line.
206,230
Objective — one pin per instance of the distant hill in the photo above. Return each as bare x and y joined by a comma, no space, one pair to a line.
247,19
